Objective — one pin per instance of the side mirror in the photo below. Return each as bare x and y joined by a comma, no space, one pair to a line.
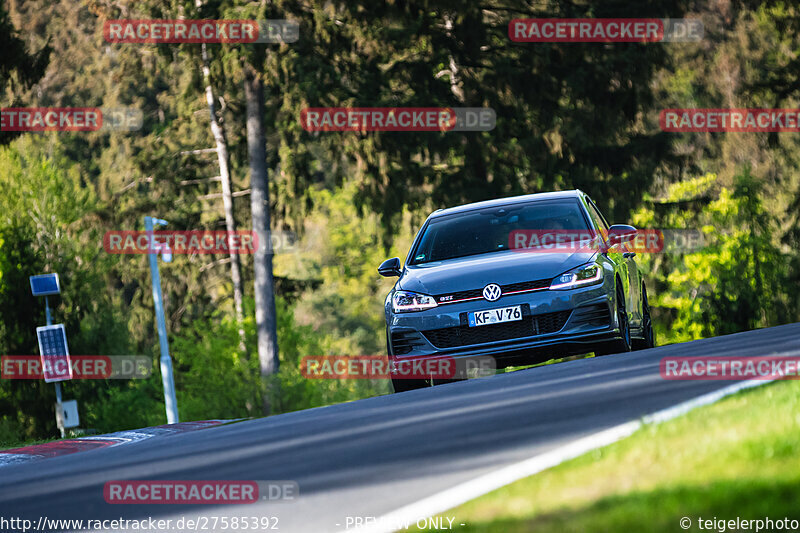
390,267
620,233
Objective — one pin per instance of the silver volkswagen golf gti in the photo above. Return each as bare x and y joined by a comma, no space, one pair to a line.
521,279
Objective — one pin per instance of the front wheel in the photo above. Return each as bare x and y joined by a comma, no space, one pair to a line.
623,344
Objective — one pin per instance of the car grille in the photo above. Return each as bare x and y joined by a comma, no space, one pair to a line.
527,327
478,293
405,341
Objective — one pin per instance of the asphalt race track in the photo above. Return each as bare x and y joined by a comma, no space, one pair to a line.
370,457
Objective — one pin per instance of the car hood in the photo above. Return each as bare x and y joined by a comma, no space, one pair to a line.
475,272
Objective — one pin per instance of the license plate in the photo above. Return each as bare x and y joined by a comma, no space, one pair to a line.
495,316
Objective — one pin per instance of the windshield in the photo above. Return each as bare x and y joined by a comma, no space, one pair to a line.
487,230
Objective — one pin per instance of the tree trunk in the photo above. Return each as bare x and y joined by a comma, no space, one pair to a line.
227,198
266,325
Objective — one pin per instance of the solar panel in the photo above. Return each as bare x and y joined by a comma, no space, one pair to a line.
45,284
54,353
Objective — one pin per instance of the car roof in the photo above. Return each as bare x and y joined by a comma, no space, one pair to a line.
575,193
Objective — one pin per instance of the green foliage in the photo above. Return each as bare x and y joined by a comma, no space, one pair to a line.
344,247
125,405
290,390
45,223
212,378
736,281
19,67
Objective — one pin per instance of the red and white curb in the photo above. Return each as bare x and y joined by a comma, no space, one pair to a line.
69,446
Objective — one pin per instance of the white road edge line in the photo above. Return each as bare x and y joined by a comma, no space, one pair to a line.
469,490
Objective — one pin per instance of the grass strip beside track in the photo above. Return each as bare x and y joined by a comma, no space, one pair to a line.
739,457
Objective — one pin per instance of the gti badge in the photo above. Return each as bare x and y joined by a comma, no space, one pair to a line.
492,292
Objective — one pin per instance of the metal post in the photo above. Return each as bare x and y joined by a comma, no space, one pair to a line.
170,400
57,383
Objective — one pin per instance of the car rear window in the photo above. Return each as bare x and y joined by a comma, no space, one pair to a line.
487,230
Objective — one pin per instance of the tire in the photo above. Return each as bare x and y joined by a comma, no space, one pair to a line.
622,344
403,385
649,336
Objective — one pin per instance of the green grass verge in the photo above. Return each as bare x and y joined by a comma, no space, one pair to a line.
737,458
12,443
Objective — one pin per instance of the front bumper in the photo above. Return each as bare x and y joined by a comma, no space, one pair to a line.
555,324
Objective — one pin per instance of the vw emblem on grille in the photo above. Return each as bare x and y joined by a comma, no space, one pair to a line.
492,292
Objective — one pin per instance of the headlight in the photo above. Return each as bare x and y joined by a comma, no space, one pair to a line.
404,301
585,275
